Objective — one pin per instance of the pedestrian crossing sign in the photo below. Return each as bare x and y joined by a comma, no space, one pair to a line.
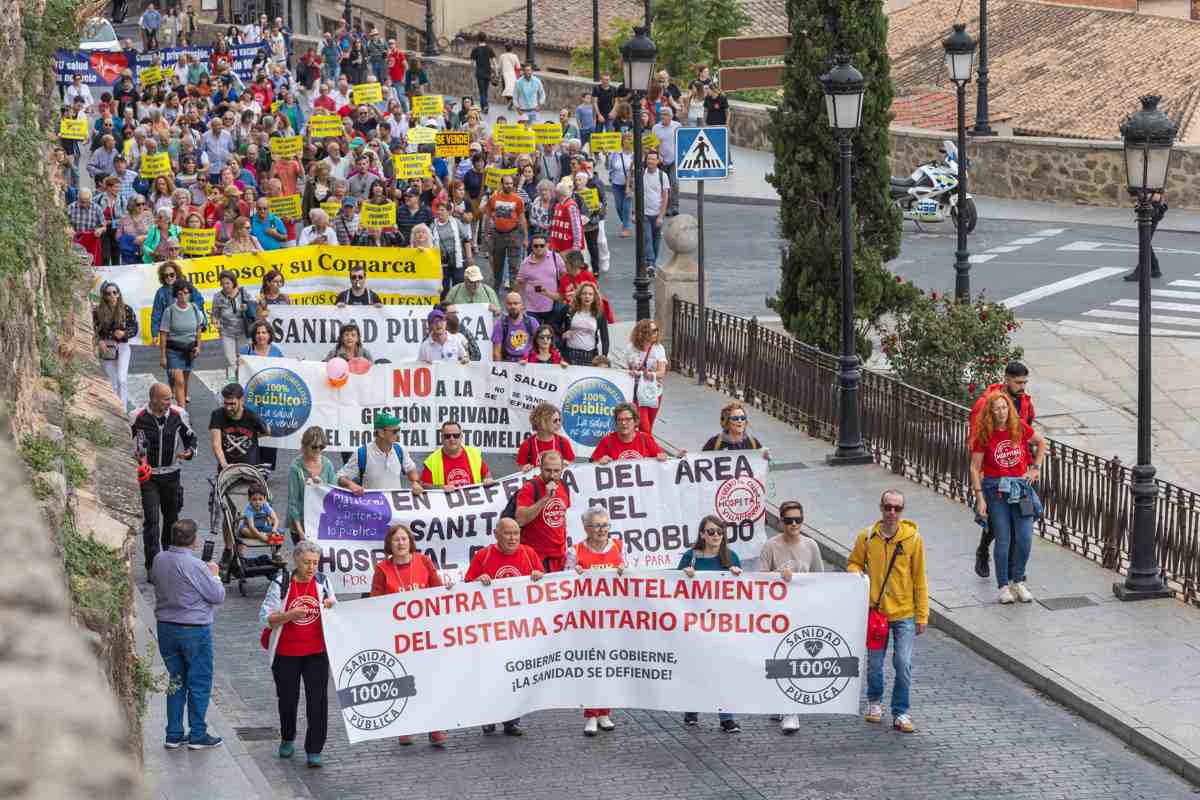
703,153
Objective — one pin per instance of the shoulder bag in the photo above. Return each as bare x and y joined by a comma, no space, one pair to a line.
877,621
647,392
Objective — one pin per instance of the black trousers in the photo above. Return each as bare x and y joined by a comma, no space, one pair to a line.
483,82
162,497
288,672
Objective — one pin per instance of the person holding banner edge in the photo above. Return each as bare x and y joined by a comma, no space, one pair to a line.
546,422
454,464
311,467
627,442
597,551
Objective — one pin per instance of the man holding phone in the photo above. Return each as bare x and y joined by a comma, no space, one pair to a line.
538,278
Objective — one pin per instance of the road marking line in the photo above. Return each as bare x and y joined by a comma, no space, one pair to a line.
1003,249
1083,246
1062,286
1173,293
1186,307
1107,327
979,259
1190,284
1027,240
1163,318
1050,232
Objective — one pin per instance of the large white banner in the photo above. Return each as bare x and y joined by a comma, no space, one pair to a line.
391,332
440,659
654,508
492,401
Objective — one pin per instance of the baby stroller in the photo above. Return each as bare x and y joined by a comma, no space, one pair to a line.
226,503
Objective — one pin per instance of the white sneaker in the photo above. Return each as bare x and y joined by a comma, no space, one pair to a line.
605,723
790,724
589,727
874,712
604,266
1023,594
1006,595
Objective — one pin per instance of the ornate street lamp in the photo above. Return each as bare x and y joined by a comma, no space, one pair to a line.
844,87
430,38
960,58
982,125
529,34
637,55
1148,136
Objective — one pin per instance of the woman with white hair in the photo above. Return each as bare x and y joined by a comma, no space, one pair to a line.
566,225
295,645
596,551
158,239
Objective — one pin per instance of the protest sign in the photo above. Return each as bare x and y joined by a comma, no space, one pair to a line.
422,134
275,104
606,142
74,129
288,206
453,144
102,69
155,165
366,93
287,146
654,509
435,659
323,126
314,275
331,207
391,332
591,197
548,133
412,166
377,215
492,401
148,76
519,140
492,176
501,131
198,241
649,140
427,105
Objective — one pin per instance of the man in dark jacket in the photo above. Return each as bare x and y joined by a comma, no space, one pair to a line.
161,437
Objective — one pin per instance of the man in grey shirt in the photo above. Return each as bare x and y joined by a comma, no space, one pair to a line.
186,591
218,146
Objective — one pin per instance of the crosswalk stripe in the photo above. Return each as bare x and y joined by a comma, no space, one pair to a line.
1050,232
1189,284
1164,306
1108,327
1165,319
1027,240
1003,249
1062,286
1173,293
981,259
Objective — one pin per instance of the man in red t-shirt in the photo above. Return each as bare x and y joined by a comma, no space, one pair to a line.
627,443
542,505
454,464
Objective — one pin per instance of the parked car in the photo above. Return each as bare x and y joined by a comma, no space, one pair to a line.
99,34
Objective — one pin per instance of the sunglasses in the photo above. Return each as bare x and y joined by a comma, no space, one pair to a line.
890,507
739,418
168,274
317,447
713,532
599,526
792,520
451,435
537,246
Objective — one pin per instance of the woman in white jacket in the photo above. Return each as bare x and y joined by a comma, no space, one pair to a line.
291,614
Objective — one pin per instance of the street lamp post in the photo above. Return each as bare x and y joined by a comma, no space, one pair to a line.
982,126
430,38
348,14
637,56
960,57
596,40
529,34
843,86
1148,136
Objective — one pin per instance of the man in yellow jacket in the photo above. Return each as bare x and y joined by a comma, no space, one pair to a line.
454,463
892,554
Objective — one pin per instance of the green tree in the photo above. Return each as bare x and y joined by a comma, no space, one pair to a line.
686,31
610,51
806,177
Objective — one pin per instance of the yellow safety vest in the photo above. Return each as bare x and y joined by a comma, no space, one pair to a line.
437,466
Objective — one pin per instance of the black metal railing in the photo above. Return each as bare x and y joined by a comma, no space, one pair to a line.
1088,506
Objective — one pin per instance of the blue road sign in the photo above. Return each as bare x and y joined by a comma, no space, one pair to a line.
702,153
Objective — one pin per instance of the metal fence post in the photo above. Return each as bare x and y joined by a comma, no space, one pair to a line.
751,364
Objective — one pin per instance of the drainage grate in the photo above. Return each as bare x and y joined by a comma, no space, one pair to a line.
775,467
256,734
1070,601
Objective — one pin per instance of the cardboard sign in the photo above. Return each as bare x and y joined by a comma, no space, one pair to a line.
453,144
649,140
520,141
324,126
422,135
75,129
198,241
591,197
606,142
412,165
155,165
275,104
148,76
287,146
366,94
377,215
331,207
501,131
548,133
492,176
286,207
427,105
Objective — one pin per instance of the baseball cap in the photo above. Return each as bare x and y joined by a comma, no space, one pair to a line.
412,191
385,420
473,273
349,201
435,315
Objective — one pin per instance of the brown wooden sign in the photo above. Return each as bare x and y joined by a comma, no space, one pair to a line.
766,76
758,76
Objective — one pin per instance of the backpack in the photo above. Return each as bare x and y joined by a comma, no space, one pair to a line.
362,459
249,312
510,508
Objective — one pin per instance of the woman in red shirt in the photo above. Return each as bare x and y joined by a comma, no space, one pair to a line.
1002,476
596,551
543,350
406,570
546,421
627,443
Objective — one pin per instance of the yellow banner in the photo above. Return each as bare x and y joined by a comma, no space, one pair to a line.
155,165
422,135
520,141
649,140
287,146
427,105
198,241
331,207
148,76
548,132
453,144
606,142
591,197
412,165
286,207
492,176
377,215
323,126
366,93
501,131
76,129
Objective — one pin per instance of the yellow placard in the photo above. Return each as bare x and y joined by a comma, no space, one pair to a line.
591,197
148,76
548,132
324,126
198,241
126,149
76,129
649,140
422,135
287,146
377,215
275,104
287,206
606,142
155,165
453,144
413,165
366,93
520,141
427,105
501,131
331,207
492,176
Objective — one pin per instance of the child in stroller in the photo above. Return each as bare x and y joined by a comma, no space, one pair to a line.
259,520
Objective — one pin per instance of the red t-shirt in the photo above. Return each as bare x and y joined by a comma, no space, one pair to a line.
547,532
396,65
457,470
581,277
390,578
612,557
1002,457
305,637
326,102
495,564
530,451
642,446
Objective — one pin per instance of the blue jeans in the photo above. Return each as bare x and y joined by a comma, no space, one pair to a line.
621,202
188,655
1011,531
900,634
653,239
585,136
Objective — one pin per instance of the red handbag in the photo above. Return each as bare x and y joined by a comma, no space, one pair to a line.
877,621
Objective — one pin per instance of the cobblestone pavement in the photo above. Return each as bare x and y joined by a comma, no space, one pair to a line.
981,733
